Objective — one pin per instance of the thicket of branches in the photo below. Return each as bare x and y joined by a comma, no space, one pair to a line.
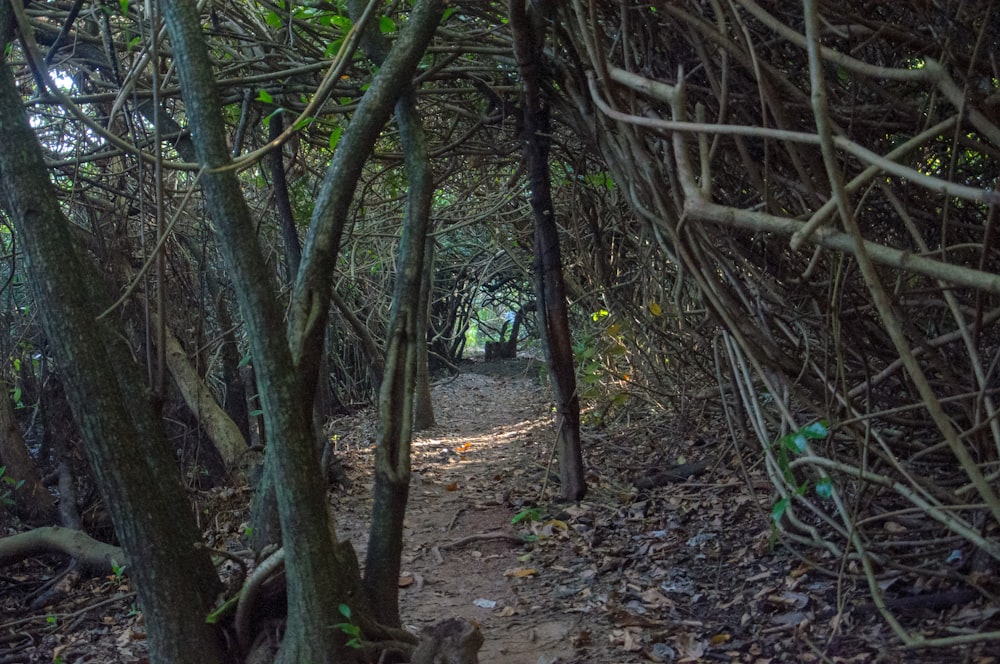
813,197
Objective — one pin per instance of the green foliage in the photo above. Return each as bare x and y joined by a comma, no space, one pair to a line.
350,628
335,134
117,571
602,180
602,360
8,481
793,444
273,20
472,335
528,514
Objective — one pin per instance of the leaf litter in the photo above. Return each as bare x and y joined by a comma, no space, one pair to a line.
684,571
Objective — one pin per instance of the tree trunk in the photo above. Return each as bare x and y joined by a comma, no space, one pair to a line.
396,398
508,350
313,592
528,29
226,437
287,367
423,407
282,201
128,451
236,394
396,394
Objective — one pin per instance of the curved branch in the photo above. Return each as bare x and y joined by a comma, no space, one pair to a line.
91,554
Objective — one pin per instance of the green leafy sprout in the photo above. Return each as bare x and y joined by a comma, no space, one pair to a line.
349,627
5,493
785,448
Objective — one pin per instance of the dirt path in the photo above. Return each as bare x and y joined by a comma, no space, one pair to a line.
463,555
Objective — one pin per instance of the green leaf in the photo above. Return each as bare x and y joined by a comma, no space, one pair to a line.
123,5
447,13
342,22
529,513
824,488
778,510
332,48
303,123
345,611
335,137
816,430
265,96
273,20
245,360
790,443
386,25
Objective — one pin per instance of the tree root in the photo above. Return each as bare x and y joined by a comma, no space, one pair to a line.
452,641
91,555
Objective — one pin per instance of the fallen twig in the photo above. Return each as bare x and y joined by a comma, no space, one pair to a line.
496,534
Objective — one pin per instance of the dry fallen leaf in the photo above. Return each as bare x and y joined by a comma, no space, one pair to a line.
521,572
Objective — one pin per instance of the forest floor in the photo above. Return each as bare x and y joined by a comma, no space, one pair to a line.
685,572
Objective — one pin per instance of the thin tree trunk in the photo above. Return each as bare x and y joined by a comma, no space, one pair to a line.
528,29
423,407
392,456
225,436
236,394
286,217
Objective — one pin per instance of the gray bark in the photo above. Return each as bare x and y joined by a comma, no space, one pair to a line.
310,547
392,456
